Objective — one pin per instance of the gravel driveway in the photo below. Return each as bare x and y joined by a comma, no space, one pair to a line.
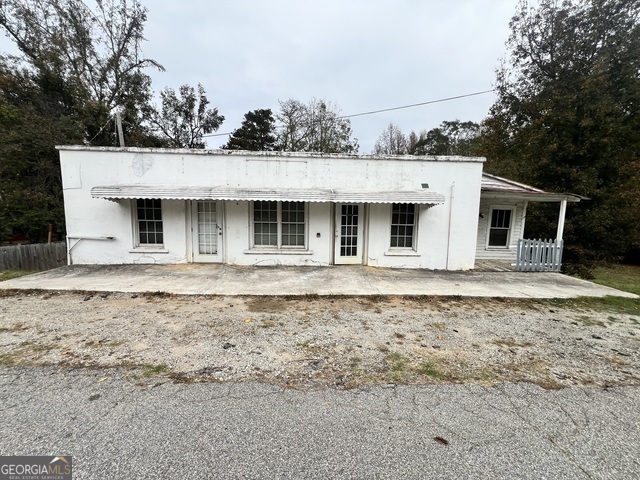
318,342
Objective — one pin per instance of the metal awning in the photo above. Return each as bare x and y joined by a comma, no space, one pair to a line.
119,192
493,186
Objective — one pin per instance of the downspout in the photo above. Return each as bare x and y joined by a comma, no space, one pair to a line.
453,185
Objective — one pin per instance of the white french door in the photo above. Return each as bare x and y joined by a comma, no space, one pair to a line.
348,237
206,227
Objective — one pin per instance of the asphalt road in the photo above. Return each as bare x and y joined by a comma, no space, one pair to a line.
116,429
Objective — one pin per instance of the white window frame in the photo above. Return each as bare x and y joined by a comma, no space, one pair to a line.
279,246
414,239
510,231
136,226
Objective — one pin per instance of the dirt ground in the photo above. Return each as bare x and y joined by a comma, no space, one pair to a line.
319,342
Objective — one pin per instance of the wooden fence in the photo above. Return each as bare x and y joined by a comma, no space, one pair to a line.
36,256
539,255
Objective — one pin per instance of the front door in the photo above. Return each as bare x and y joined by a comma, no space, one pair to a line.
206,225
348,246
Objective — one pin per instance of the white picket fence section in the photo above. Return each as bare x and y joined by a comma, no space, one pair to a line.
539,255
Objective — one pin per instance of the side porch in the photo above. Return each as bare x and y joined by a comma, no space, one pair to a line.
501,245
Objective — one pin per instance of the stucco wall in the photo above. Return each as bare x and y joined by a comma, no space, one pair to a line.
456,178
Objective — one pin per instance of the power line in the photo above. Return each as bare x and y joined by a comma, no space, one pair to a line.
417,104
440,100
100,131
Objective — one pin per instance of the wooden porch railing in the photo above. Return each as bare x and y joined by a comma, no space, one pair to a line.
539,255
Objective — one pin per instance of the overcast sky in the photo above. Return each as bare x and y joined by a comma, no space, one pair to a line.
361,55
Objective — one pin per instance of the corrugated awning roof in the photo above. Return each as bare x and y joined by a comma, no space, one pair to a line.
505,187
118,192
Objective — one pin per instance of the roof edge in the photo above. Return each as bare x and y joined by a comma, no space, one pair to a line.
534,191
245,153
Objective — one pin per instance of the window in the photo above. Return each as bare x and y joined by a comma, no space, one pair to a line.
279,224
265,224
149,221
403,225
293,226
500,227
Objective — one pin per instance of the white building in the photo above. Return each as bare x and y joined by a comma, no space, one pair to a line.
133,205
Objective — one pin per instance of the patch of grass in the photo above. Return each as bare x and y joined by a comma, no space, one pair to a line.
269,304
16,327
396,361
590,322
510,343
430,369
607,304
10,358
354,361
151,370
622,277
617,360
25,353
9,274
486,375
309,346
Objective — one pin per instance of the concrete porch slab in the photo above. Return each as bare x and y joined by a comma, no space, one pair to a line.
199,279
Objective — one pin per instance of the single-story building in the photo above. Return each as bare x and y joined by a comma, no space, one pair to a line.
135,205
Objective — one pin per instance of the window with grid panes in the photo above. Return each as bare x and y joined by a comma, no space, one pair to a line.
265,224
149,219
279,224
500,227
403,223
293,226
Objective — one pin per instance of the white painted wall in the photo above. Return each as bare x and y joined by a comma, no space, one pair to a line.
84,168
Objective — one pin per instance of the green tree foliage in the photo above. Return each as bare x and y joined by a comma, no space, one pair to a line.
256,133
77,66
567,117
450,138
30,182
90,58
314,127
183,120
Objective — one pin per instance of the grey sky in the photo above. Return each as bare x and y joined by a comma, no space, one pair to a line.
361,55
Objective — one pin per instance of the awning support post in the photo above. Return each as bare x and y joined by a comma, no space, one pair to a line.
563,211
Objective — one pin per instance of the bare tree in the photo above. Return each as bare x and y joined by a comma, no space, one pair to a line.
391,142
314,127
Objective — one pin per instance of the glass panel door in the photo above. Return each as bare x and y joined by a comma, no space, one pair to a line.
348,247
206,231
